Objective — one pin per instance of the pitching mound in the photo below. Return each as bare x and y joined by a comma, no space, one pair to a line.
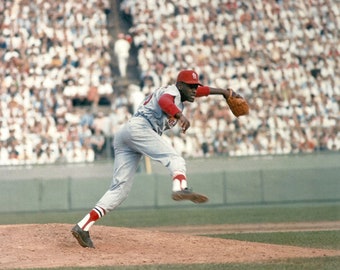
52,245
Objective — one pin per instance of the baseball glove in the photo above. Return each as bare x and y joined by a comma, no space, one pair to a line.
237,104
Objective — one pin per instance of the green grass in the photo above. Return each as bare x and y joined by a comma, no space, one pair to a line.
188,216
218,215
326,263
311,239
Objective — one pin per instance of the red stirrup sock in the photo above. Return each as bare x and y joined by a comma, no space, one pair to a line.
179,182
95,214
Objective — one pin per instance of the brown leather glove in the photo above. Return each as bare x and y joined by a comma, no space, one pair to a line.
237,104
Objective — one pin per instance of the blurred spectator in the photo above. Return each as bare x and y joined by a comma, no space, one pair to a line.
87,119
122,53
98,142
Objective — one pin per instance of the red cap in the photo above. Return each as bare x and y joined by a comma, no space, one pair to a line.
188,77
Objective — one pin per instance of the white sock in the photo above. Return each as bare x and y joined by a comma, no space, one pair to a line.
95,214
184,184
178,185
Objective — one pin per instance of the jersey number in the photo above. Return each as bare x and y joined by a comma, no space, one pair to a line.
147,100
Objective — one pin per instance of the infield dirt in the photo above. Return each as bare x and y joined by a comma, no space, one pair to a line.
52,245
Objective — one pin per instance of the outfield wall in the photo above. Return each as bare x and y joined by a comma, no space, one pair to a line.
226,181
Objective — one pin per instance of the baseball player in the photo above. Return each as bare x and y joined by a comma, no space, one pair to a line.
141,135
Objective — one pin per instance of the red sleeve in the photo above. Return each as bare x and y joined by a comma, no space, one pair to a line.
167,104
202,91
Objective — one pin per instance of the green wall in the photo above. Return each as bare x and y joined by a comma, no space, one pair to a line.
232,187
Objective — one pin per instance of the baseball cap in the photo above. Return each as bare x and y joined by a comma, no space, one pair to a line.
188,77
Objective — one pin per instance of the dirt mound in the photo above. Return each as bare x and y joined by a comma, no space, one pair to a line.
52,245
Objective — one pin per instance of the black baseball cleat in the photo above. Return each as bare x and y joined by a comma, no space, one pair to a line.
83,237
188,194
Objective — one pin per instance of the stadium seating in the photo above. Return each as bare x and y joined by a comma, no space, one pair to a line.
282,56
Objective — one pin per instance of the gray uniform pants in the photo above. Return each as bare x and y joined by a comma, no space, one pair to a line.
135,139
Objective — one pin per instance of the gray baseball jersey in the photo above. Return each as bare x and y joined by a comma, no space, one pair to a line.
151,111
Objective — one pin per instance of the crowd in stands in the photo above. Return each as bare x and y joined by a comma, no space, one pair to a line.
282,56
55,55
